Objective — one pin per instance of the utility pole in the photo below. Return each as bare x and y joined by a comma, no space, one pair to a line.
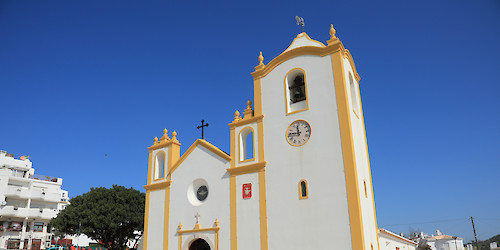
474,228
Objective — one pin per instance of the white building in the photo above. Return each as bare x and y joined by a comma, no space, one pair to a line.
297,175
391,241
27,203
442,242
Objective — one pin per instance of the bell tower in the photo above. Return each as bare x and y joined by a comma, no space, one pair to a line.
316,173
163,154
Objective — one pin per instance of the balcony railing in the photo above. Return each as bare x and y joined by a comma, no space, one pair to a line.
21,192
43,213
44,178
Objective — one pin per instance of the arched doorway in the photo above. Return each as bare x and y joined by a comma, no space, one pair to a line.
199,244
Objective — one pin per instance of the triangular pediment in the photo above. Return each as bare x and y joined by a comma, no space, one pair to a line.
205,146
303,40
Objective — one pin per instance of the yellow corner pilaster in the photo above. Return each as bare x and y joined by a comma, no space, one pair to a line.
353,199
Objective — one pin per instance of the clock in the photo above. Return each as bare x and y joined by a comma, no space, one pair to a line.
298,133
202,193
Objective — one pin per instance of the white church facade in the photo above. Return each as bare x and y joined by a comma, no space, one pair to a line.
297,175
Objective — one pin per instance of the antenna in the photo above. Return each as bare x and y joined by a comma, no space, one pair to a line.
300,21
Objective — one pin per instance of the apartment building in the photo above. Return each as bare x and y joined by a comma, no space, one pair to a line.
27,203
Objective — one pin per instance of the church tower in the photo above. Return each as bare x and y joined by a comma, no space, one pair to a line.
297,175
316,172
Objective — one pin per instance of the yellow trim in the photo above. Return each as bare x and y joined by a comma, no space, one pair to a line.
354,102
285,56
146,223
286,133
232,191
205,144
245,121
232,196
167,217
301,196
163,144
351,175
239,147
250,168
197,230
165,166
348,56
157,185
257,99
303,34
362,118
263,210
149,166
287,97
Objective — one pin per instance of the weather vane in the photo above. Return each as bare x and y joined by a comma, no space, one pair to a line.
300,21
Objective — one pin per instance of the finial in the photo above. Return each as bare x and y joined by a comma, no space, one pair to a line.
174,136
332,32
237,116
261,59
249,111
333,38
216,222
165,136
156,140
180,226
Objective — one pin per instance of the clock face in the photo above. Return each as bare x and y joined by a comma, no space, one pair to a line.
202,193
298,133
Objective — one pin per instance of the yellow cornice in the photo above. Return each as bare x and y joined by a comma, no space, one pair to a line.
163,144
348,55
306,50
251,168
245,121
205,144
157,185
303,34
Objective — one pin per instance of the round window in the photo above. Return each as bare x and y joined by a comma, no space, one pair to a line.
197,192
202,193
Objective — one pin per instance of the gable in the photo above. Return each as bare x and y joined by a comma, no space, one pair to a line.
202,150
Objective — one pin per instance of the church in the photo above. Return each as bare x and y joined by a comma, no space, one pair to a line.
297,175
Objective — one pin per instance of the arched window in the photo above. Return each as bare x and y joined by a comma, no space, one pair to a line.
159,165
296,91
366,193
303,189
246,141
354,96
297,88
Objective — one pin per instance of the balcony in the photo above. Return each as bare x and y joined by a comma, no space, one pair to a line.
12,211
47,196
42,213
16,191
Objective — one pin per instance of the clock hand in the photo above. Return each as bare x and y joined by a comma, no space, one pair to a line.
298,131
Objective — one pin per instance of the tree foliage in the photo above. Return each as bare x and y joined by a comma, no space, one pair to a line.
109,216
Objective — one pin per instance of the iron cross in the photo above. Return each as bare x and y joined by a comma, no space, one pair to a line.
202,126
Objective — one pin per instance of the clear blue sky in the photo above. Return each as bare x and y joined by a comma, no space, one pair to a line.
82,79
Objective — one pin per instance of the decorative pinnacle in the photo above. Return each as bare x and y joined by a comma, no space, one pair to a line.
249,104
180,226
237,116
216,222
156,140
332,32
261,59
174,136
165,136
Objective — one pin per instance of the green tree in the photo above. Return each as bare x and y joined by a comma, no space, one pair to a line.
109,216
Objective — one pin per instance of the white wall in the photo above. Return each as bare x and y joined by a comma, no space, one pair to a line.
201,163
323,217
